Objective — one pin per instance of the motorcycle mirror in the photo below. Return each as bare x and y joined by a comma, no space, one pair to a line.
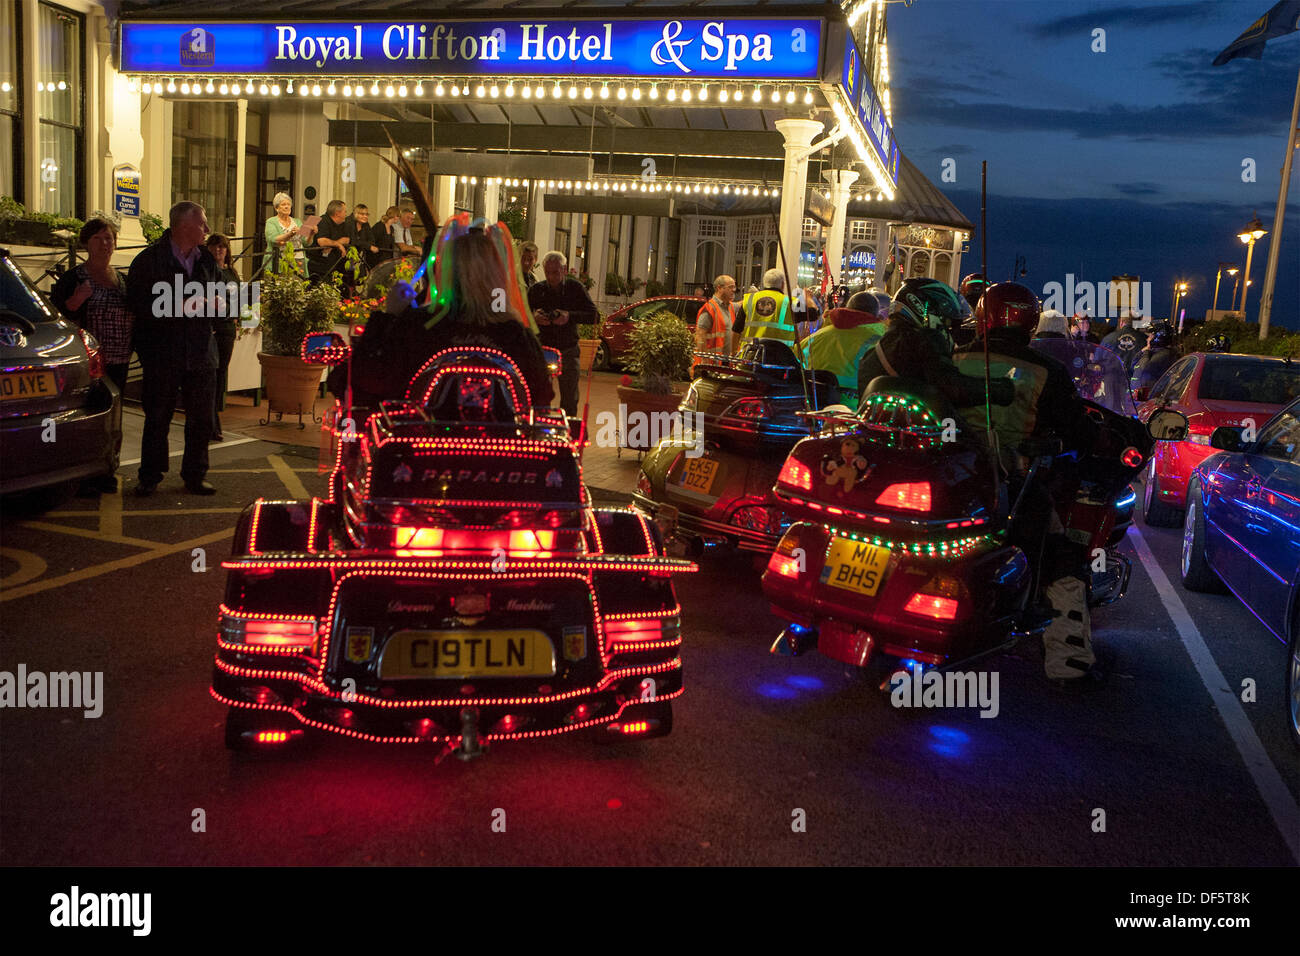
1167,425
1227,438
324,348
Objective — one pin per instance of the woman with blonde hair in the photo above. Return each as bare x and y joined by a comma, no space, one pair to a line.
463,297
282,231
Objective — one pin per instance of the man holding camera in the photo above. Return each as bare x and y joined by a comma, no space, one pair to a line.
560,305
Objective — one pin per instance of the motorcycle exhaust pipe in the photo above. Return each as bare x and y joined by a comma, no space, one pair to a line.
794,641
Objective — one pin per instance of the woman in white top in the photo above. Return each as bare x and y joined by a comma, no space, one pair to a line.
282,230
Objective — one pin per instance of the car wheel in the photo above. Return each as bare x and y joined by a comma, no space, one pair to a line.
601,363
1197,574
1155,512
1293,684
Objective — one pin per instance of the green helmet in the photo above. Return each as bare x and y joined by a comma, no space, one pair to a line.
930,303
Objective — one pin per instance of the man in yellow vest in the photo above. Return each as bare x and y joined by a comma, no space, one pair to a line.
768,313
838,346
717,318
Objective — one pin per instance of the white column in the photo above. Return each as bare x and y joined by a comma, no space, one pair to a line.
541,221
30,42
444,201
156,169
638,263
841,180
241,163
596,249
491,200
124,143
798,135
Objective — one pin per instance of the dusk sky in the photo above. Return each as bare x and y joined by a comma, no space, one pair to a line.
1127,161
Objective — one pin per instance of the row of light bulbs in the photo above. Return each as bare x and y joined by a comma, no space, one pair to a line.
41,86
628,186
542,90
865,153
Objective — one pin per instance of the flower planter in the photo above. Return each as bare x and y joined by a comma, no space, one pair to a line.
648,403
291,384
586,353
28,232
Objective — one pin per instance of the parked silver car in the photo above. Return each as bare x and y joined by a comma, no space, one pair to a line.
60,416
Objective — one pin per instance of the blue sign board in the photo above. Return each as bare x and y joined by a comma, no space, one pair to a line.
718,49
862,259
126,189
866,107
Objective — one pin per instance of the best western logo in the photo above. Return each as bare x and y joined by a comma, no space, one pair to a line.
198,47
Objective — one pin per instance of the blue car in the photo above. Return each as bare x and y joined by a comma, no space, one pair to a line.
1242,530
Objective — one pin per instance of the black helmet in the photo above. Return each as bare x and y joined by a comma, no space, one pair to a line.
1162,336
930,303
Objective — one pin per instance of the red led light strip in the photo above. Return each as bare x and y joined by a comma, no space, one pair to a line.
252,533
532,567
374,738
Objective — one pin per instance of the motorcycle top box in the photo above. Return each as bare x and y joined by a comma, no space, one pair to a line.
457,588
742,415
898,545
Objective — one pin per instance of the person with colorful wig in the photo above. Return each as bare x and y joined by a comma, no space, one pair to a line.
464,294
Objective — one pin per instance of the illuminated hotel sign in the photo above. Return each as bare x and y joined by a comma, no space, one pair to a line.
865,109
721,49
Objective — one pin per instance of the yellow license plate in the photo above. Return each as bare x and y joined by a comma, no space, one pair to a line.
16,385
698,474
855,566
467,654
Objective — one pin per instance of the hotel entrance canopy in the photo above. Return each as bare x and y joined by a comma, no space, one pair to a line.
696,87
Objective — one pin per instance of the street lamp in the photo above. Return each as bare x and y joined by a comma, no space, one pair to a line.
1232,271
1253,232
1235,282
1179,289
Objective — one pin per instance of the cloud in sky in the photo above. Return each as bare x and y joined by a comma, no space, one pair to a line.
1128,15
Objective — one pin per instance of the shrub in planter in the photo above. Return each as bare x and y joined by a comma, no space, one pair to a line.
291,309
661,349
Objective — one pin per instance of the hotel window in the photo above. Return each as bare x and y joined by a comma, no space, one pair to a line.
563,229
615,242
204,160
864,229
712,228
811,229
11,115
60,112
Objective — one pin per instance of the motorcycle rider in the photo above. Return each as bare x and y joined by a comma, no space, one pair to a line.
1155,358
1047,405
1126,341
972,287
1052,325
918,345
768,313
839,345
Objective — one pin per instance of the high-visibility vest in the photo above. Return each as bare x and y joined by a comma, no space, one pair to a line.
723,322
1012,423
840,351
767,316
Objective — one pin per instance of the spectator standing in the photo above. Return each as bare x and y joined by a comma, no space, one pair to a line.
331,240
283,232
403,243
560,304
173,337
225,326
383,235
361,235
528,262
716,321
93,296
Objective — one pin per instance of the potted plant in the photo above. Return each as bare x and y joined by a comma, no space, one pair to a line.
21,227
588,344
291,308
660,355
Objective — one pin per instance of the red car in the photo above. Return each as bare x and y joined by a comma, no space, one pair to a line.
616,330
1212,390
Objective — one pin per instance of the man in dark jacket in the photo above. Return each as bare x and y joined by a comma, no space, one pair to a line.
918,346
172,289
560,305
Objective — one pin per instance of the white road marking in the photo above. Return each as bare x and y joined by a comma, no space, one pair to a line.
1272,789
